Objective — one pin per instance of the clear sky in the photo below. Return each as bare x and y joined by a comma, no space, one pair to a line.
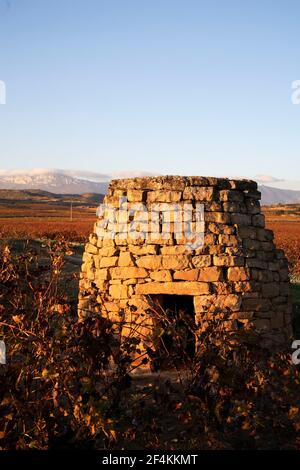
166,86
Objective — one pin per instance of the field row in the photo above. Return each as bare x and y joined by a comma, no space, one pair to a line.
287,234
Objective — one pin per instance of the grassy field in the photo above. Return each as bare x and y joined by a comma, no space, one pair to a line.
42,216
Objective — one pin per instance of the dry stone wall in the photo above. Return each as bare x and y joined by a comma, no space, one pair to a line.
237,269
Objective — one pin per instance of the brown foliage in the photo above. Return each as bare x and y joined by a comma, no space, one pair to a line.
67,382
53,391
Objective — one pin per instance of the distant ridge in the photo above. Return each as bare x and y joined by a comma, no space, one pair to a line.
38,196
87,183
271,196
51,181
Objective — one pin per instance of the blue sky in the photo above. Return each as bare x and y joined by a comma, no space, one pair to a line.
166,86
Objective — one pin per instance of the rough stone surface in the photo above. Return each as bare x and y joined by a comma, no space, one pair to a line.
237,269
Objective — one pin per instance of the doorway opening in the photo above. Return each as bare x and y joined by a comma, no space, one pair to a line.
174,331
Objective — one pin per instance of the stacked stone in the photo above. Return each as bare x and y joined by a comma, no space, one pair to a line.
237,270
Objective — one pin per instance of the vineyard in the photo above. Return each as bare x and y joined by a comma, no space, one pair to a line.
79,400
287,237
68,385
39,221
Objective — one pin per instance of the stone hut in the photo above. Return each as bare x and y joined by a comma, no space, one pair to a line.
194,241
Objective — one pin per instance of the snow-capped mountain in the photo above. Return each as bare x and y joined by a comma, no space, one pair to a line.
271,196
80,182
62,181
55,181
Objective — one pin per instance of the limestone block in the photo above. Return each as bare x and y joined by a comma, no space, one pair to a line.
223,183
89,248
153,262
90,274
220,229
102,274
228,240
273,266
231,302
197,181
110,306
108,261
241,219
242,315
230,195
128,273
175,262
222,288
250,244
256,263
93,239
101,284
258,220
136,238
118,291
161,276
224,260
174,250
164,196
213,206
201,261
108,251
262,275
134,195
270,290
143,249
232,206
128,282
211,274
246,286
87,257
256,304
247,232
177,288
218,217
210,239
187,275
198,193
264,235
108,242
138,304
215,250
253,206
130,290
267,246
159,239
238,251
252,194
243,185
125,259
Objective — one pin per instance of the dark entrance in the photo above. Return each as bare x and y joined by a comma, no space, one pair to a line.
174,335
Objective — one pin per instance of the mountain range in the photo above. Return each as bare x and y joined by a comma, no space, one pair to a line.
80,182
